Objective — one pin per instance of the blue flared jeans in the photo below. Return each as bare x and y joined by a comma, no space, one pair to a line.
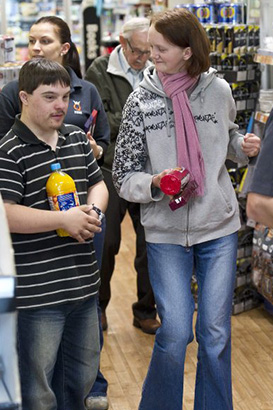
170,269
58,349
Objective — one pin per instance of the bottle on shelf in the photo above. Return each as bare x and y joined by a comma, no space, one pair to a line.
61,192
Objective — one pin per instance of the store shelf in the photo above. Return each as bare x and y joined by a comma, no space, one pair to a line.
264,57
261,116
237,76
245,104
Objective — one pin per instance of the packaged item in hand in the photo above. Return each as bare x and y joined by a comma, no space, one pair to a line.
91,122
184,196
178,183
173,182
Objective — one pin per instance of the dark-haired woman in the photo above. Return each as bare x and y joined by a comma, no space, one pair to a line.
50,37
182,115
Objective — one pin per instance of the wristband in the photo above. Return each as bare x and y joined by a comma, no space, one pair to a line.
99,212
100,152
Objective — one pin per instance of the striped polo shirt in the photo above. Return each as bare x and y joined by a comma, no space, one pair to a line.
51,270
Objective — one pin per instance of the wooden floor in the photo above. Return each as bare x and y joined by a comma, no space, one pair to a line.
127,350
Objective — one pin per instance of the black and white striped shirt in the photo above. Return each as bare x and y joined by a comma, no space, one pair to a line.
51,270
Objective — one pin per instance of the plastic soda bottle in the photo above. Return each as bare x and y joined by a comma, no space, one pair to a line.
61,192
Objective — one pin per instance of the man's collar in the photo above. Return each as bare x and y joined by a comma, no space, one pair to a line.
124,63
75,80
23,132
114,66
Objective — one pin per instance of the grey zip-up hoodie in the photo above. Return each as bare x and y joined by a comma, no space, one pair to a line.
146,145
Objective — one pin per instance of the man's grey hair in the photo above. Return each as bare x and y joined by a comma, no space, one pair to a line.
134,24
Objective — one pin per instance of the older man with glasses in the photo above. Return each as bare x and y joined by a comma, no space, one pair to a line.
115,77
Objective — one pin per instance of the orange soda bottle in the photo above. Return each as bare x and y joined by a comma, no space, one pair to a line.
61,192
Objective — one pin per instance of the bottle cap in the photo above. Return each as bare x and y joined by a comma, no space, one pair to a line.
170,184
174,181
56,166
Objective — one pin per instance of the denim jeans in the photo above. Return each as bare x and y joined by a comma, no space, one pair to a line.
58,351
171,268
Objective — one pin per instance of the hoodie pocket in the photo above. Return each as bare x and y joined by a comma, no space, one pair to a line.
228,204
158,215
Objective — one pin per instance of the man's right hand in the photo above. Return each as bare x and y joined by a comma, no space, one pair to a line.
79,223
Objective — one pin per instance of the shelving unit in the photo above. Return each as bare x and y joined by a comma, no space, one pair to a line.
17,16
236,76
101,33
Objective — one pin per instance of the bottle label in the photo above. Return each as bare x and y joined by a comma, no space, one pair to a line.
63,202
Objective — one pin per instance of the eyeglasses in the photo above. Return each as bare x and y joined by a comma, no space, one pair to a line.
138,52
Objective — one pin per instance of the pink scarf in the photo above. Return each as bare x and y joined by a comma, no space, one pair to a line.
189,153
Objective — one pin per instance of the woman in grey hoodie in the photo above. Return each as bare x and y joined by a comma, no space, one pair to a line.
182,115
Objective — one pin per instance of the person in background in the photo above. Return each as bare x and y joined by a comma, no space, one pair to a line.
115,77
182,115
50,37
57,277
260,196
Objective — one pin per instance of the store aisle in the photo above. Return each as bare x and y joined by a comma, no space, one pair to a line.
127,350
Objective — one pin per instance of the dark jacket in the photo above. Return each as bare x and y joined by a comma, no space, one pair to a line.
114,88
262,180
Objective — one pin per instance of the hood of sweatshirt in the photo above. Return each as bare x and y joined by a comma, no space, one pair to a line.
152,83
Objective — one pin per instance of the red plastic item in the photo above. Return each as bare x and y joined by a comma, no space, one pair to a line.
173,182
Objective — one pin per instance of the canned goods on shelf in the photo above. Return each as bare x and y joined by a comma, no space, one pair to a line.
230,13
205,13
